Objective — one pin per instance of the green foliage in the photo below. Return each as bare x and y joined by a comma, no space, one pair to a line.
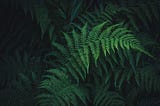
19,78
113,39
99,16
20,93
79,53
105,97
61,92
144,15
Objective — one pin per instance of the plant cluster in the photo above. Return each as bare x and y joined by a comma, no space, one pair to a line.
80,53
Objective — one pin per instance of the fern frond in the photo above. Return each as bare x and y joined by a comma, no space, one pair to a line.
104,97
139,97
111,40
99,16
12,66
147,79
118,78
20,92
142,16
60,91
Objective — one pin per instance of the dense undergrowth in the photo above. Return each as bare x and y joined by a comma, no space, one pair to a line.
79,53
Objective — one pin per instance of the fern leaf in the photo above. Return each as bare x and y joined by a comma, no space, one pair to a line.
60,90
109,98
112,40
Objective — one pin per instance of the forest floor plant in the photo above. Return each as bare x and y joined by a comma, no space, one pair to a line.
107,54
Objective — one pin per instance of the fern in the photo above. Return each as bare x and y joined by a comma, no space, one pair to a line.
19,78
12,66
110,40
144,14
139,97
76,60
101,62
104,97
21,92
61,92
147,79
99,16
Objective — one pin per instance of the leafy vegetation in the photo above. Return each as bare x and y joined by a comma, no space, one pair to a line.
79,53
